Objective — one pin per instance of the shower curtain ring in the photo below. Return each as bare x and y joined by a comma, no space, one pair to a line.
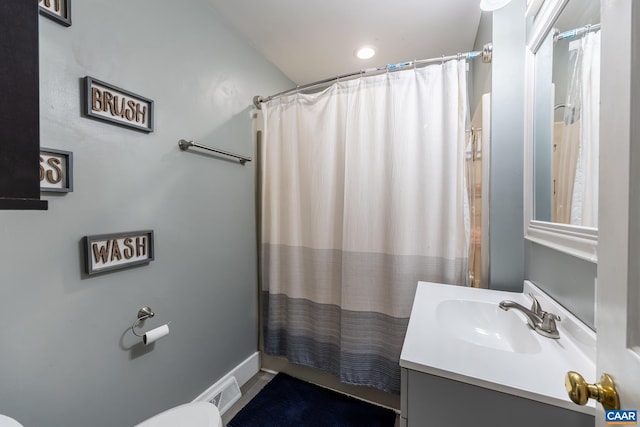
442,59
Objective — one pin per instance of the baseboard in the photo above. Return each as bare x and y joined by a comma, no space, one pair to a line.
243,373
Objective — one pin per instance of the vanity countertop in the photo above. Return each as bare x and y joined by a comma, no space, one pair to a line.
449,338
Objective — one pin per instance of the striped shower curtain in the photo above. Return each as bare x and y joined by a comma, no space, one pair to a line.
363,195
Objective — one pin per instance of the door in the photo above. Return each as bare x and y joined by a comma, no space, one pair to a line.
618,284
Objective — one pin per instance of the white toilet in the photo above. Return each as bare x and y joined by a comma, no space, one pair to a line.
8,422
195,414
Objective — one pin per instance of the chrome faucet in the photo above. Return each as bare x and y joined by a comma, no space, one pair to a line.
539,320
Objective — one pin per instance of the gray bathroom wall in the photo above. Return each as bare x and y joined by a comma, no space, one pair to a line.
480,72
506,243
67,355
569,280
543,132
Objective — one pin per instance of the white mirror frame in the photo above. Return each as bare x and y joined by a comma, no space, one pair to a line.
581,242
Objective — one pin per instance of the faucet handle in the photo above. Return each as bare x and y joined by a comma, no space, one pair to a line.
535,305
550,316
548,324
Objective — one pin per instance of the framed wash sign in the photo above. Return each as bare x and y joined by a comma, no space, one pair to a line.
56,170
103,101
107,252
58,10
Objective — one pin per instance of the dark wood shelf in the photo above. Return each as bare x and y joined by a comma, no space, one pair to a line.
23,204
19,106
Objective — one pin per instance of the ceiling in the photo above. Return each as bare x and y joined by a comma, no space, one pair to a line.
578,13
310,40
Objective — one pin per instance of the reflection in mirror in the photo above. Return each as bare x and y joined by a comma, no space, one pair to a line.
567,96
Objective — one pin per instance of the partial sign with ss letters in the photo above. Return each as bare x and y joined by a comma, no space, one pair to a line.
56,170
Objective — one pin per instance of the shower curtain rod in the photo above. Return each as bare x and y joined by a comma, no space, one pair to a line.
485,53
575,32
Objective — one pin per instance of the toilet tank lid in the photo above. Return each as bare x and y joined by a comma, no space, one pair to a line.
195,414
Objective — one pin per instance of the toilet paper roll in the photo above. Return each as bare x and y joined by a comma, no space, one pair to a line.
155,334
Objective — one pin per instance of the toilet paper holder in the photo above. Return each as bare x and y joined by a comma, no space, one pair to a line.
143,314
152,335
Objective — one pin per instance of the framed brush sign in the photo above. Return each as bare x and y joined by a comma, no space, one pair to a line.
106,102
58,10
108,252
56,170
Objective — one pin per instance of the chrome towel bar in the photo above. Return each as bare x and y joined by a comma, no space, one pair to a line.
184,145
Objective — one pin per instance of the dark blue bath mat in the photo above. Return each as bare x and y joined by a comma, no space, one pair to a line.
288,402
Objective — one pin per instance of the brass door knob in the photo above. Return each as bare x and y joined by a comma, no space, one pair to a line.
580,391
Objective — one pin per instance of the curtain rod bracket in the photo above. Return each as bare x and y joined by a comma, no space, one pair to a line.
487,53
257,101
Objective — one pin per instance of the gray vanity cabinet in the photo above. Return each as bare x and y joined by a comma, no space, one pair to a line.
428,400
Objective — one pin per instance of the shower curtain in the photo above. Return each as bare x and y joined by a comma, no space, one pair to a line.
584,204
577,186
363,195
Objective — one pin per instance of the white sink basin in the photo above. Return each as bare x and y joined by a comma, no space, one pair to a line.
461,334
485,324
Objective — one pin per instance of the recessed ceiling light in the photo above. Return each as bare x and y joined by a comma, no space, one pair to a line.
491,5
365,52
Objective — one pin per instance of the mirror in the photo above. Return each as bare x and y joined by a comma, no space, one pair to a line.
563,96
